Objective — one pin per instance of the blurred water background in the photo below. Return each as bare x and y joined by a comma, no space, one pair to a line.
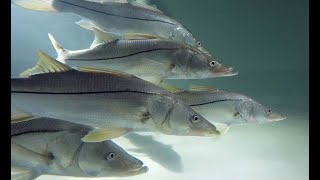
266,41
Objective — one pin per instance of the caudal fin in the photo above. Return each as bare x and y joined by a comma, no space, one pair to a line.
59,49
37,5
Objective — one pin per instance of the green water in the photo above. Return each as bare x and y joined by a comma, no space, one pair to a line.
266,41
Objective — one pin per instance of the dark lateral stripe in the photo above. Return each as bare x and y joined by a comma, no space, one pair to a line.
78,93
104,59
116,14
212,102
38,131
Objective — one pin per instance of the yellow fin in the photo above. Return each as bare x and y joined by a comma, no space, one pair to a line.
154,79
145,6
17,117
205,88
99,135
46,64
221,127
36,5
101,36
139,36
103,70
171,88
107,1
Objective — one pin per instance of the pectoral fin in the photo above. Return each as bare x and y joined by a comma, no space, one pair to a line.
99,135
171,88
205,88
17,117
139,36
18,173
222,128
154,79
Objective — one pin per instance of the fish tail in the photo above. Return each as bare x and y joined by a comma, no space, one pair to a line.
38,5
61,52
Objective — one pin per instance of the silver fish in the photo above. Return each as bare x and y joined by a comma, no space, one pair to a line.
227,107
51,146
119,16
114,103
158,58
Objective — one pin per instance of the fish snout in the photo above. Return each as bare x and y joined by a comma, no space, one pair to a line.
277,117
137,164
206,129
136,167
223,70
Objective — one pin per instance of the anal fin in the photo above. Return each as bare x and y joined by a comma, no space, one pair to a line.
99,135
17,117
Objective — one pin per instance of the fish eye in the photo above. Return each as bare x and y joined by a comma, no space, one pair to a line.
110,156
195,119
199,43
212,63
269,111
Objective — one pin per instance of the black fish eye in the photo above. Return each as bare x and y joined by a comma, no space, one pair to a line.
195,119
212,63
269,111
199,43
111,156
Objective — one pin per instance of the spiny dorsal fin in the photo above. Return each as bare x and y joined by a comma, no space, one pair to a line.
204,88
46,64
171,88
100,36
104,70
139,36
145,6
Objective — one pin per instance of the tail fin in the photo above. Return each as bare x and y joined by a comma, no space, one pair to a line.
37,5
59,49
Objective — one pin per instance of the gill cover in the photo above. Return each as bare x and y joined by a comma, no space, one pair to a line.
245,109
89,157
160,108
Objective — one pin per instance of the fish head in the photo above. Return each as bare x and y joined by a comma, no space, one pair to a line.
106,159
175,118
201,65
254,112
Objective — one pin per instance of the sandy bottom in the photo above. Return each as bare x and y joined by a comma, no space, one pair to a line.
273,151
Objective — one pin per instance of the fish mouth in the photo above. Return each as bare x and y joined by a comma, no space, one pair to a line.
228,71
138,171
201,132
277,117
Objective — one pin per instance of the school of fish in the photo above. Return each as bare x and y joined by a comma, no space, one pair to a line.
66,111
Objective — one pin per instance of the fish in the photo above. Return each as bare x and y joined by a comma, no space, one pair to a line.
154,59
54,147
225,107
114,103
119,16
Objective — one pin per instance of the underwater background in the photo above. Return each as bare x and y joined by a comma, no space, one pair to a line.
266,41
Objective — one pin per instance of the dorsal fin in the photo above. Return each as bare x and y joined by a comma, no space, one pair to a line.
204,88
139,36
46,64
145,6
171,88
100,36
103,70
